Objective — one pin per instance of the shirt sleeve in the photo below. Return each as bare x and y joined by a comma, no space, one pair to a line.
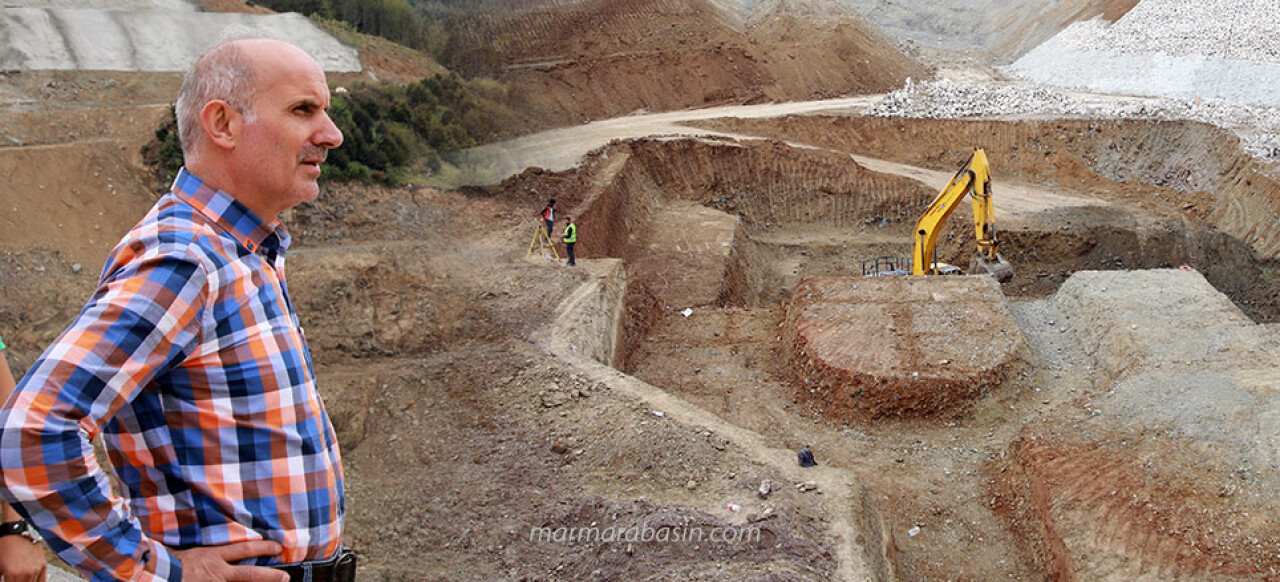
142,320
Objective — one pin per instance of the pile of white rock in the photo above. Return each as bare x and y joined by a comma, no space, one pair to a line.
1257,127
946,99
1180,49
1246,30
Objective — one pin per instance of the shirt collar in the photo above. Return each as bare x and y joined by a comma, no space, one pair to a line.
229,214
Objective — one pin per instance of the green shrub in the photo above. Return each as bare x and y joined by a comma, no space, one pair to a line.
395,20
389,131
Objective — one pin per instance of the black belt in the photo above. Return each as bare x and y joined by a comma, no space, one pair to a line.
340,568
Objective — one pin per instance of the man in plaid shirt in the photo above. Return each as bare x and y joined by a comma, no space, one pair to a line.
189,360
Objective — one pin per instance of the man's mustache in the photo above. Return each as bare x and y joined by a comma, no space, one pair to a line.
315,153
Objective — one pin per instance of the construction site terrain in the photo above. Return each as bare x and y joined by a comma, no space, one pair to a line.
1111,413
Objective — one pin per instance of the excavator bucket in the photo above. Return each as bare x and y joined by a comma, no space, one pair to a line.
999,268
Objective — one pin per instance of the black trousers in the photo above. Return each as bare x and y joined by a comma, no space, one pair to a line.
568,248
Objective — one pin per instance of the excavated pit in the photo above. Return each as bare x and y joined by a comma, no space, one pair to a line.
742,259
1140,202
1159,194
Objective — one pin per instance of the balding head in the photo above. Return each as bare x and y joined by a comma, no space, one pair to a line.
225,73
230,71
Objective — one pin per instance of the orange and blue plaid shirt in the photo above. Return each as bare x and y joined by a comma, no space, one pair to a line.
190,362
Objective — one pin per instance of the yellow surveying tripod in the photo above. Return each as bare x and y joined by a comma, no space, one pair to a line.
542,242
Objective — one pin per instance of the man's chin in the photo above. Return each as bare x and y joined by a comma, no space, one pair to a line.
305,191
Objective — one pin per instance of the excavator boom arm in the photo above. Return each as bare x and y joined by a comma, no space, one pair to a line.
973,178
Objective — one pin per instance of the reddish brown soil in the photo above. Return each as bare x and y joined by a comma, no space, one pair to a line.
731,360
899,346
1104,507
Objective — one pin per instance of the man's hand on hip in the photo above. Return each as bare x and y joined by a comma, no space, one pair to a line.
21,560
213,563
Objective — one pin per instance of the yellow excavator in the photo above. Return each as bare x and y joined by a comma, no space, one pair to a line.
974,178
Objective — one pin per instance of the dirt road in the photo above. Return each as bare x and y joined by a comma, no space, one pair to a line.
562,149
1014,199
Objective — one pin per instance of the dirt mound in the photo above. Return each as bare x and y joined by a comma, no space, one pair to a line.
462,433
898,346
98,199
1192,387
605,58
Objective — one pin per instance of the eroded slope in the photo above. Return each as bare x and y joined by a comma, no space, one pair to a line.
605,58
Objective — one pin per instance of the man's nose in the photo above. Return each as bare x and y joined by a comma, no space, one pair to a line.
329,135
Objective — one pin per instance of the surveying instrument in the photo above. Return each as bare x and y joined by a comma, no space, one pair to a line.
542,245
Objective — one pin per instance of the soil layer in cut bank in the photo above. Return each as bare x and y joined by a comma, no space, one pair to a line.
900,345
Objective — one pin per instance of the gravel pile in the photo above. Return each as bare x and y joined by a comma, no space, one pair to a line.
1246,30
1184,49
1258,127
947,99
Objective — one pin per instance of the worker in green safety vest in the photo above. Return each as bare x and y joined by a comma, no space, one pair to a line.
570,237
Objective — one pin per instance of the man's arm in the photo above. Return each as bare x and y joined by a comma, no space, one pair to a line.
141,321
20,560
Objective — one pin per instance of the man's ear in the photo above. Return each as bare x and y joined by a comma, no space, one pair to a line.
221,123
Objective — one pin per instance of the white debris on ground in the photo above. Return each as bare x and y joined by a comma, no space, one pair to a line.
1184,49
947,99
1212,61
1257,127
1246,30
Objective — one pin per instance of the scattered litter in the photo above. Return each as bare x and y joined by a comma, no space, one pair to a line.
807,486
734,507
659,413
805,456
765,489
913,532
687,312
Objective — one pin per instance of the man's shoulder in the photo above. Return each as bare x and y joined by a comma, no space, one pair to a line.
175,228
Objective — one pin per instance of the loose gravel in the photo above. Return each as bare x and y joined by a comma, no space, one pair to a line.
1257,127
1208,54
1245,30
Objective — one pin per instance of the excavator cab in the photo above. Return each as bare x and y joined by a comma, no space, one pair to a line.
973,179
